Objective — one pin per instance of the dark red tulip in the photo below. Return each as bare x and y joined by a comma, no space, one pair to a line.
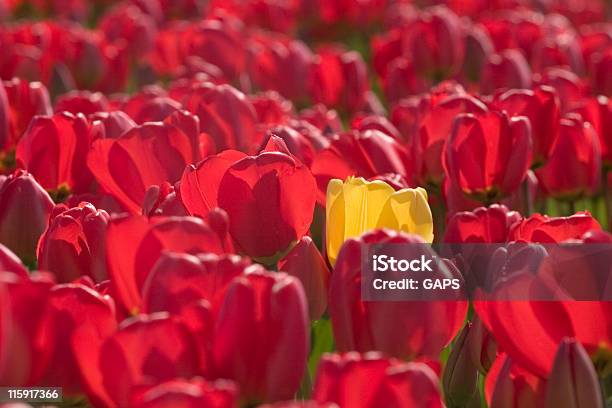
25,208
401,80
487,155
178,280
305,262
110,125
489,225
481,346
601,67
54,149
134,243
261,338
435,129
382,382
73,244
508,69
25,100
226,115
541,107
84,102
149,154
573,382
399,329
478,49
193,393
25,299
574,166
509,385
545,229
273,182
146,350
71,310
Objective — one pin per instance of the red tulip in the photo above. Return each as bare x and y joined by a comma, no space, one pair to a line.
193,393
271,108
490,225
261,338
225,113
24,301
541,107
401,80
84,102
149,154
73,245
598,112
478,49
134,243
481,346
25,100
366,154
509,385
300,404
25,208
178,280
54,150
545,229
305,262
601,67
339,79
508,69
381,382
71,310
435,129
400,329
146,350
573,382
574,166
128,23
487,156
460,378
110,125
273,182
326,120
163,200
570,87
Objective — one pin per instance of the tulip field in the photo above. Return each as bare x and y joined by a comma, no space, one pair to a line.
191,191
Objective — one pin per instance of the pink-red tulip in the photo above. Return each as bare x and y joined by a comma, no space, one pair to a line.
261,337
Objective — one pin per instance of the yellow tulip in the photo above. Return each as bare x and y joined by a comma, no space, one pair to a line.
356,206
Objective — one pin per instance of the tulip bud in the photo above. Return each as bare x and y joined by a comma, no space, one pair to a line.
73,245
513,387
305,262
572,382
24,212
261,336
481,346
460,378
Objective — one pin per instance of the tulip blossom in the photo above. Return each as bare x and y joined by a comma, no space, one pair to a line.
488,155
382,382
152,153
400,329
573,168
510,385
261,337
244,186
195,392
542,228
9,262
25,208
73,244
356,206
